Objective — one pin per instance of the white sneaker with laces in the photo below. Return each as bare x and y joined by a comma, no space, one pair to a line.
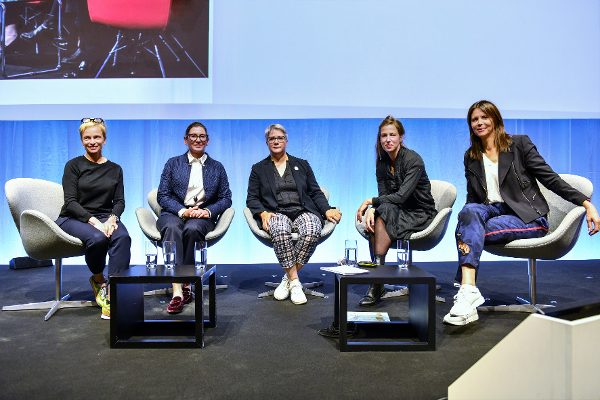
464,310
297,292
282,291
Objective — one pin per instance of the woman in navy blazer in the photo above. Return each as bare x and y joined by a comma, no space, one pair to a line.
284,197
504,201
193,192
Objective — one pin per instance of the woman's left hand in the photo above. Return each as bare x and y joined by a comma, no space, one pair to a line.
334,215
592,218
110,226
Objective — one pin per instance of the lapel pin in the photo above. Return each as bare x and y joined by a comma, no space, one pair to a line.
296,168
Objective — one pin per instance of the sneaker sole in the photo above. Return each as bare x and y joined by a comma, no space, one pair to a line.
102,316
460,321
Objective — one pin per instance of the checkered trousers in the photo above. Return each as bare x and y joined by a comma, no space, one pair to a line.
307,225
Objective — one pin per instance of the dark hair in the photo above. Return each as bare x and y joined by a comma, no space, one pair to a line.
502,139
389,120
193,125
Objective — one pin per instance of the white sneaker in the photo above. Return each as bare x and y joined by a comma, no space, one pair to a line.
282,291
465,306
296,292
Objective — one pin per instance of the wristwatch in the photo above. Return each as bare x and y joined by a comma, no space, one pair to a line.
116,217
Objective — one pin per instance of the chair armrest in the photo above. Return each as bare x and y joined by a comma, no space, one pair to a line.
43,239
256,230
147,223
222,225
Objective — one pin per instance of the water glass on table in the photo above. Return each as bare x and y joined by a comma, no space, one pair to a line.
350,248
169,254
151,254
200,254
403,251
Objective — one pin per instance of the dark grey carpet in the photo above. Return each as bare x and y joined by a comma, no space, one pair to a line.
261,349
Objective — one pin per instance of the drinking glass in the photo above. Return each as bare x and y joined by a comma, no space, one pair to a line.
151,254
200,254
403,251
169,253
350,252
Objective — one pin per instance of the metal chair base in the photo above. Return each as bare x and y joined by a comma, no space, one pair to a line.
52,305
169,290
523,306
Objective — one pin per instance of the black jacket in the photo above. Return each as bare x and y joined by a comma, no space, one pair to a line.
261,188
518,170
409,187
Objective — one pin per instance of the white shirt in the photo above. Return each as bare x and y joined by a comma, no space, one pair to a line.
491,180
195,192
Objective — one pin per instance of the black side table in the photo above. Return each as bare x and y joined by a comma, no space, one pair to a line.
128,326
418,333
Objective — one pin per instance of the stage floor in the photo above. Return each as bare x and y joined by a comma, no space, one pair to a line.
261,348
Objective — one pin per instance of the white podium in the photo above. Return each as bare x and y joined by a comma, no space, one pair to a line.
542,358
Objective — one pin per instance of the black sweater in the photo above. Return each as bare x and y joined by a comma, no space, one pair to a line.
92,189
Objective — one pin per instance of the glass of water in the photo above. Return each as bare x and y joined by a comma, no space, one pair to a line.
200,254
169,253
151,254
403,251
350,252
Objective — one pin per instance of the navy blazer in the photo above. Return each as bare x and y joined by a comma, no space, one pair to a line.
262,194
175,179
518,170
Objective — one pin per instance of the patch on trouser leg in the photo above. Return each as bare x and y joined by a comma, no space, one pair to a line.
463,248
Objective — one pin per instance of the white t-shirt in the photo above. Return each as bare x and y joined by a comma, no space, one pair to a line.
491,180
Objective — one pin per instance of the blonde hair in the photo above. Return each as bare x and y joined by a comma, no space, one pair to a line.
90,124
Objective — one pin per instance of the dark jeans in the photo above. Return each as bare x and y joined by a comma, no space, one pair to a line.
97,245
184,233
480,224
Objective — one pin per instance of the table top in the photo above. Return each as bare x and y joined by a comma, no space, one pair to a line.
412,273
163,274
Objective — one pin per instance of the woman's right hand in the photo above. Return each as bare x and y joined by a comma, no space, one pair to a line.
265,216
370,220
361,210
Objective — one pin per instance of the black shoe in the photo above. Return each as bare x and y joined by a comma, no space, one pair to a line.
333,332
373,295
38,30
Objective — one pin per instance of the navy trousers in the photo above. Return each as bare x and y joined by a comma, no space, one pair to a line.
480,224
97,245
184,233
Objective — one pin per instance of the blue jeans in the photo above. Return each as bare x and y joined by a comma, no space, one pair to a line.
480,224
97,245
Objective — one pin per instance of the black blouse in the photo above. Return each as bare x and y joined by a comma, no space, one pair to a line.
92,189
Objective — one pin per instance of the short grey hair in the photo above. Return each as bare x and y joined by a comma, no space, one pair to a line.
279,127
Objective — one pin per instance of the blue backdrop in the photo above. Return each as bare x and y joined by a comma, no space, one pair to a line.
341,152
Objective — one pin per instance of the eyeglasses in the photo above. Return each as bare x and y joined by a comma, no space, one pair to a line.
94,120
193,138
274,139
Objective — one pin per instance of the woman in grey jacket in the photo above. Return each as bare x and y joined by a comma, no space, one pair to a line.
504,202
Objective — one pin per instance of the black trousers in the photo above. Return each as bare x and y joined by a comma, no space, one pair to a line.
184,233
97,245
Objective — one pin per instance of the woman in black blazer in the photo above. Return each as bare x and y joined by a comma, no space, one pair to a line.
284,197
504,202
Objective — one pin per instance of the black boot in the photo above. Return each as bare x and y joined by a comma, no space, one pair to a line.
376,290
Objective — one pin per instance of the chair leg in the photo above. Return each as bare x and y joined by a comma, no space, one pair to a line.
528,306
59,301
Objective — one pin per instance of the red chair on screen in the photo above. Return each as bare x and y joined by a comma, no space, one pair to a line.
141,25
